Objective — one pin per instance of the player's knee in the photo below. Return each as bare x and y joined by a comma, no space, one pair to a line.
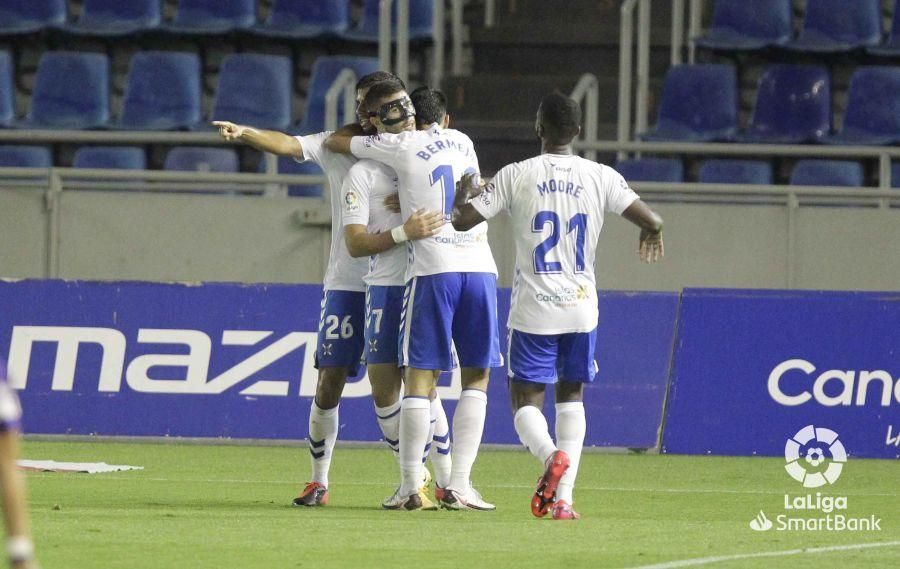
475,378
386,384
523,393
330,386
567,391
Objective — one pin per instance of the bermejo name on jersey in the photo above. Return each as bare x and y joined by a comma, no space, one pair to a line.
366,186
428,164
557,204
343,272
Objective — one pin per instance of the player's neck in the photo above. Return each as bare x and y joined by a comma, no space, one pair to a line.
551,148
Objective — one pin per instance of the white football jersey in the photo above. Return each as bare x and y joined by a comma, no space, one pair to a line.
343,272
557,203
366,186
428,164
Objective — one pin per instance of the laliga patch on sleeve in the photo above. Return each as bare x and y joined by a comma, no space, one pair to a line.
351,202
486,195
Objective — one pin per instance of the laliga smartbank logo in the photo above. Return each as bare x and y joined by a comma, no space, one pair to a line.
815,458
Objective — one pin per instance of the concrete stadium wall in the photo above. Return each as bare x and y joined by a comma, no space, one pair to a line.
190,237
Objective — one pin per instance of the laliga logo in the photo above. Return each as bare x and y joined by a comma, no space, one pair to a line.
814,456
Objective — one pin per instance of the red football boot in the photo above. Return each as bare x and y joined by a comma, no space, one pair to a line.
545,494
313,495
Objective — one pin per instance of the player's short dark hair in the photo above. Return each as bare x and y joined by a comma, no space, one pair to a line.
381,90
367,81
560,117
430,104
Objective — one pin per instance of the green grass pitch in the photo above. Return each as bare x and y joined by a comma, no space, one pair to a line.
228,506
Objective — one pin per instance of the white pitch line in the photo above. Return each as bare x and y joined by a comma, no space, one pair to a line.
783,553
127,478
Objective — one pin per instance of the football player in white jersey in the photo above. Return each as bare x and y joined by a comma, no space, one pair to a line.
451,277
368,222
557,202
19,547
341,338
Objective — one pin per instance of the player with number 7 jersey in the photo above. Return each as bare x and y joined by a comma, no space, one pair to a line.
451,290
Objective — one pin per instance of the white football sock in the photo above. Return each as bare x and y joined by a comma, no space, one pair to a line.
468,426
531,426
440,444
323,429
389,421
570,429
415,421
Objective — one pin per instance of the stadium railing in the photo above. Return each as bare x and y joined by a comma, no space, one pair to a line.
884,154
587,93
401,60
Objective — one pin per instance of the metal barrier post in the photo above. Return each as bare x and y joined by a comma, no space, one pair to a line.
384,34
643,68
344,83
52,204
457,25
792,204
402,66
677,31
490,13
587,89
438,25
625,71
884,171
695,24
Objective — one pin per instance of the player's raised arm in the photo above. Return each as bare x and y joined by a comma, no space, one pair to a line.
650,244
265,140
339,141
420,225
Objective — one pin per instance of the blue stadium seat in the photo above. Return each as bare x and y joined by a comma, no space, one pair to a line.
895,175
292,167
25,157
891,46
873,108
111,157
324,71
835,26
239,97
304,19
113,18
71,91
29,16
421,21
827,173
7,90
208,17
201,159
739,25
699,103
793,105
162,91
735,172
651,170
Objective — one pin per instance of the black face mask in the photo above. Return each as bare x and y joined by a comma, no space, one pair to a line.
395,112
